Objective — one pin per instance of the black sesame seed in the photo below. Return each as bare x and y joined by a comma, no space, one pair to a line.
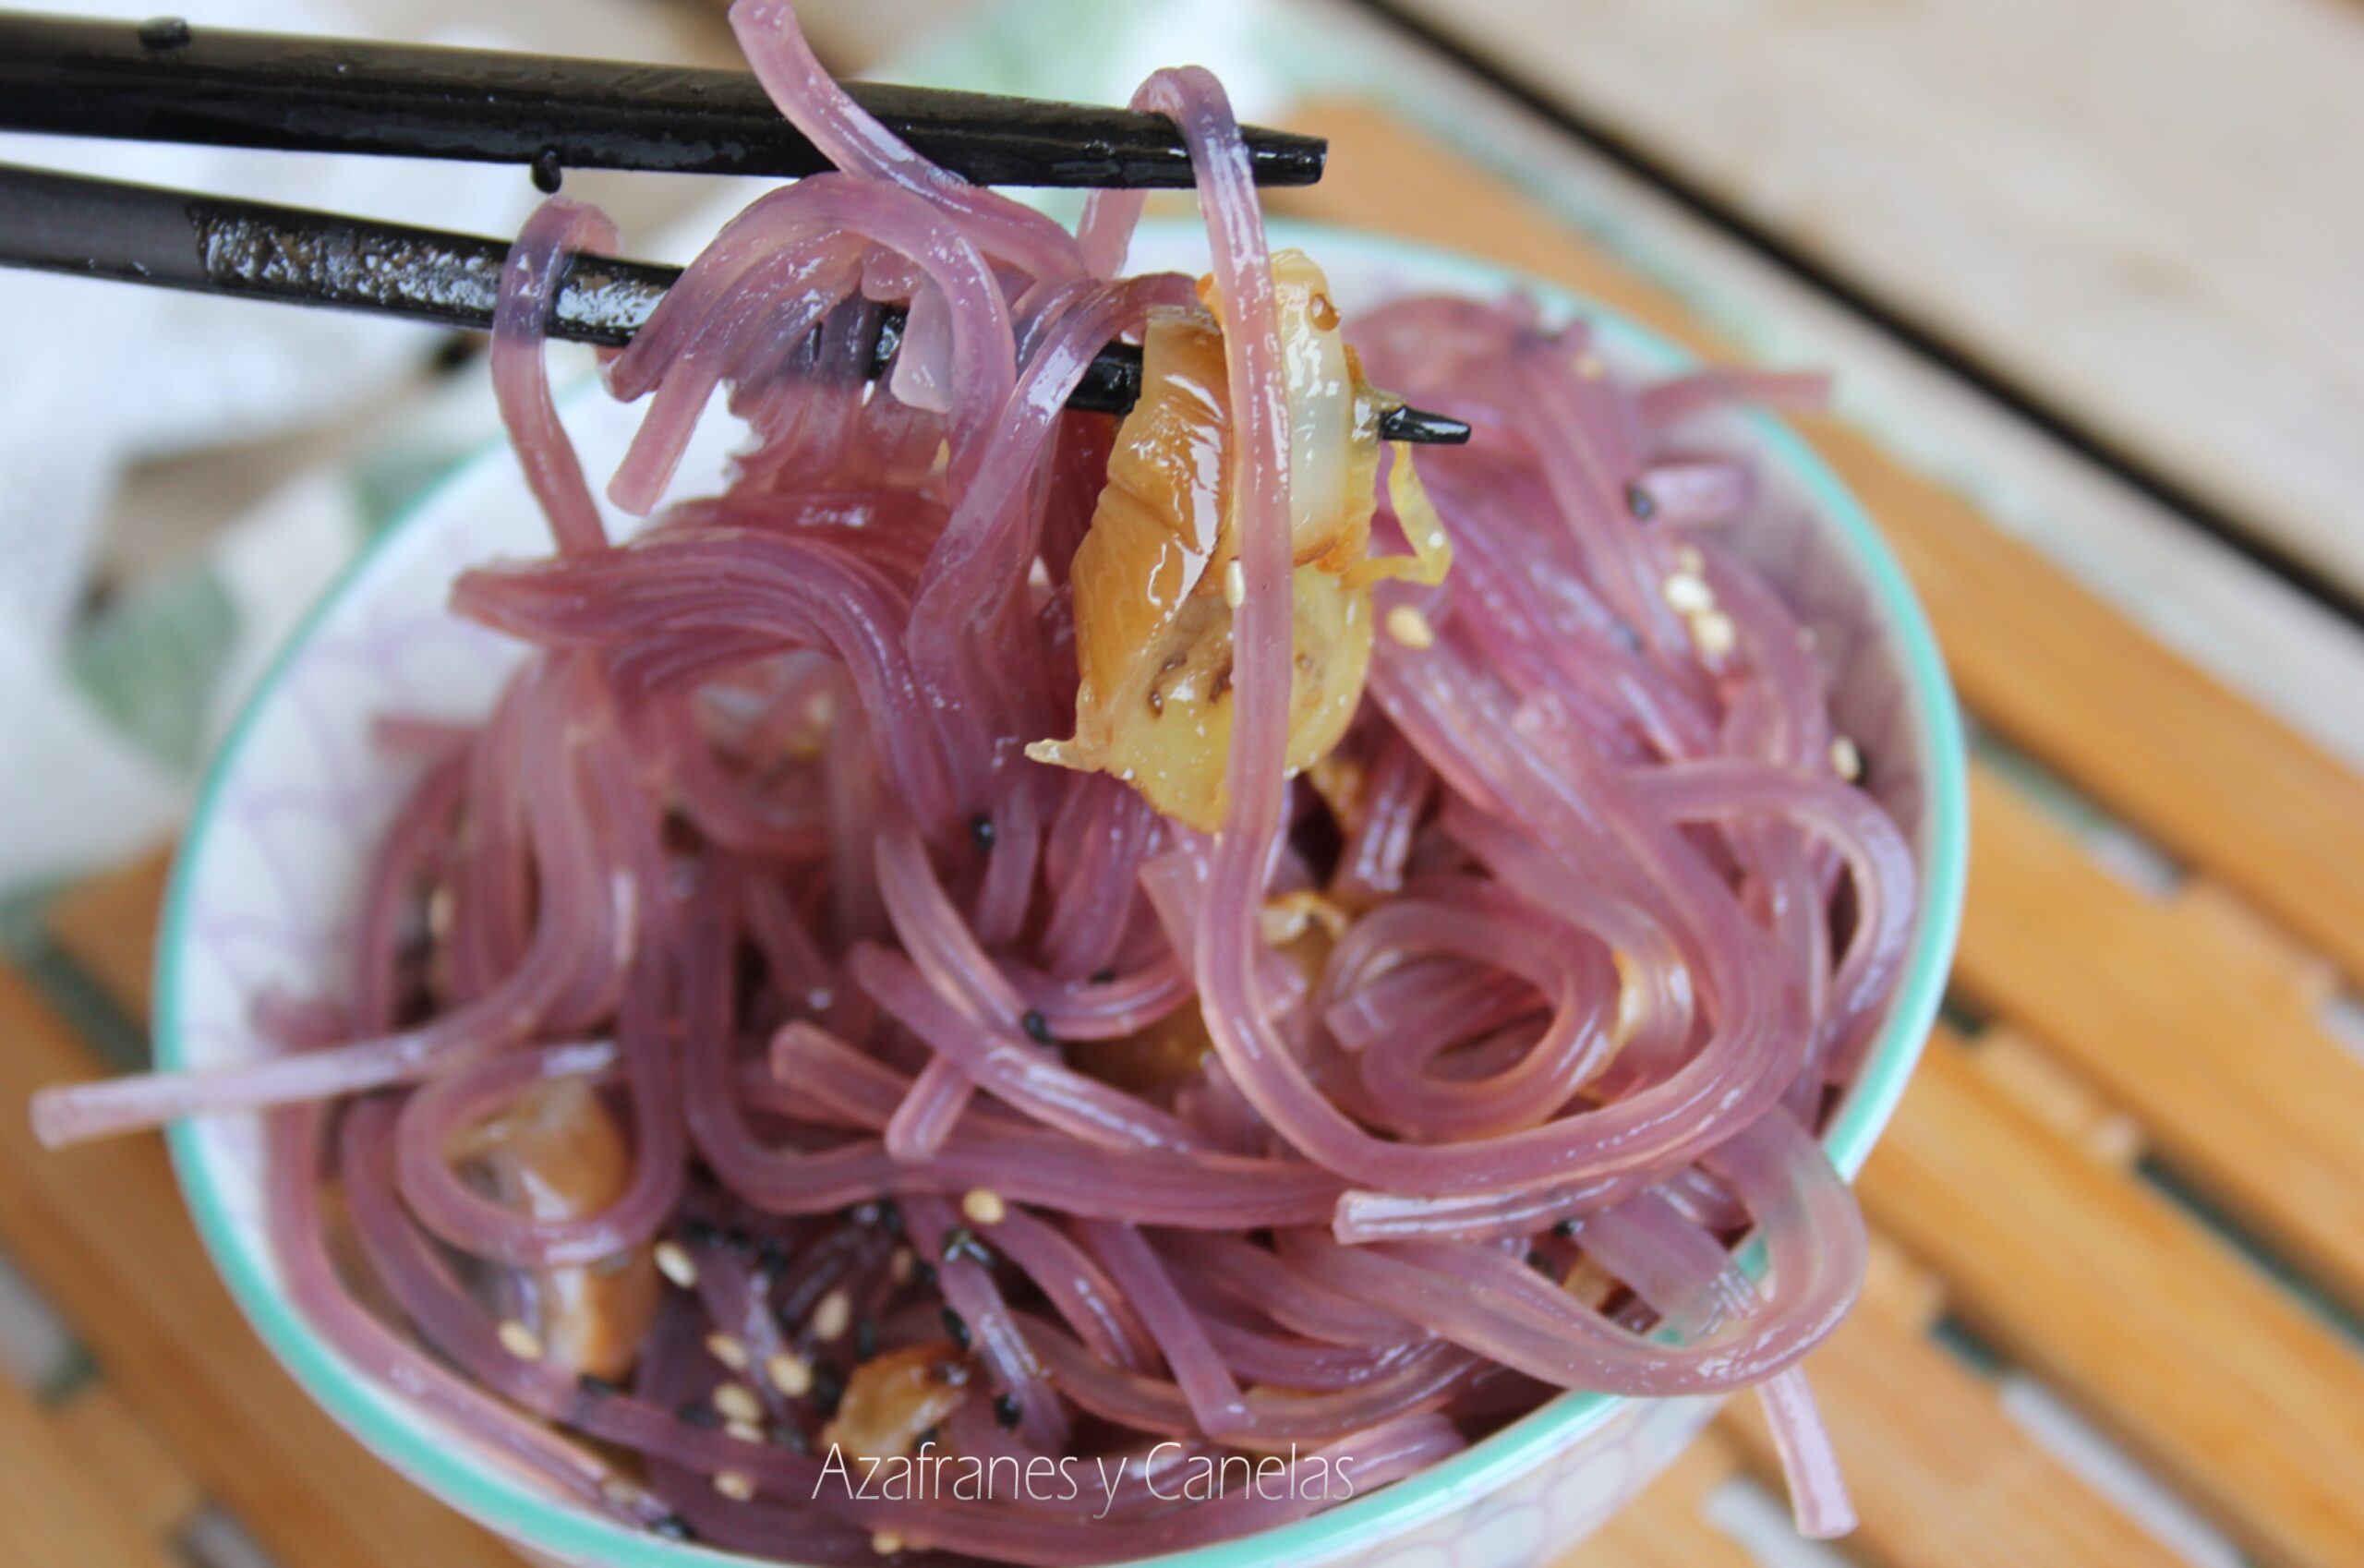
673,1527
890,1219
961,1242
1538,1262
1038,1027
164,32
955,1328
866,1338
790,1439
1565,1230
1103,977
980,832
771,1255
1007,1412
1640,502
932,1435
924,1273
595,1387
739,1239
699,1232
547,174
828,1388
698,1414
456,350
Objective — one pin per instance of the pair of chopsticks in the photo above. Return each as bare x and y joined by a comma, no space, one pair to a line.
164,80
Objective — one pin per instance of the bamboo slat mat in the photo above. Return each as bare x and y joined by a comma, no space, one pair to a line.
2128,1182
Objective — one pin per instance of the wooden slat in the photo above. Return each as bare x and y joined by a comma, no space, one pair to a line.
1664,1527
2143,240
52,1511
2222,784
2207,1037
147,1485
2154,1327
107,925
2251,952
101,1231
1940,1475
1902,1288
2039,1084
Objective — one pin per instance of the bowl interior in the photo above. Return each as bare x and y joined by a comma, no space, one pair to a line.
268,872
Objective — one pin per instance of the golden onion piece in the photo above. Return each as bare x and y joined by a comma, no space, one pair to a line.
894,1400
558,1153
1155,582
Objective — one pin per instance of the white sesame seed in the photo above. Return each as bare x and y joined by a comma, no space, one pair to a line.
738,1402
885,1543
520,1341
790,1374
833,1316
1281,924
900,1266
1714,632
983,1206
1409,627
1235,585
746,1431
1845,760
1687,595
673,1261
736,1485
729,1350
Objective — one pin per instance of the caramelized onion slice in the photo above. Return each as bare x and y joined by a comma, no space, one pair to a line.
558,1153
1153,581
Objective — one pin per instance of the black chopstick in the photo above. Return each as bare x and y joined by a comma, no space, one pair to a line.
217,245
166,80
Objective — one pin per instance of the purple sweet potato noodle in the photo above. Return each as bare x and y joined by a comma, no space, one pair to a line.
903,1046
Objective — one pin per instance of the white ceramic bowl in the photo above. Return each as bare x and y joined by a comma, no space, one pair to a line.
269,870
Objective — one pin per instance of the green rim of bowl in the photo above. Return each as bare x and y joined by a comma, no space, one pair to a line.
514,1509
